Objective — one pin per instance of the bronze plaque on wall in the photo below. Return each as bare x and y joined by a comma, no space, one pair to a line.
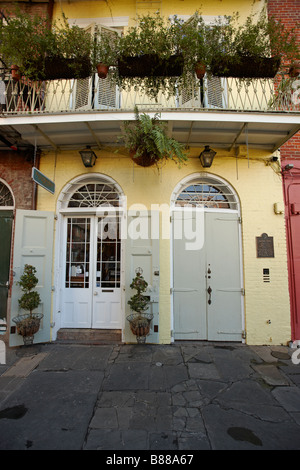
264,246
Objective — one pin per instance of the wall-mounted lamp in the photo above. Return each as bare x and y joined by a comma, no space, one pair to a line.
207,156
88,157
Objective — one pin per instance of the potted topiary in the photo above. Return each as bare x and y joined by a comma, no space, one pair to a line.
28,324
139,321
147,141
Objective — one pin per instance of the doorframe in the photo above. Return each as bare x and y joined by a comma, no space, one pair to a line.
177,190
62,212
12,209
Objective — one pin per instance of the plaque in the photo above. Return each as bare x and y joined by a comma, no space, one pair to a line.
264,246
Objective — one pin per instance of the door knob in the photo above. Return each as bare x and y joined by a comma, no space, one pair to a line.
95,292
209,291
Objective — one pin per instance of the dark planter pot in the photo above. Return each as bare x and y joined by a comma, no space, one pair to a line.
145,160
55,68
245,67
27,326
61,68
150,65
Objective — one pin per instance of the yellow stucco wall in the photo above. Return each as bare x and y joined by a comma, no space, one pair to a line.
130,8
258,185
267,313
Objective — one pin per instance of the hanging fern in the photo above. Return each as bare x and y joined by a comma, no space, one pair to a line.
147,141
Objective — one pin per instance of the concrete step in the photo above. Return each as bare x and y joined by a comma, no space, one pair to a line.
89,336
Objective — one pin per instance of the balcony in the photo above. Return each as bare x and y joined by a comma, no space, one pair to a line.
223,112
94,94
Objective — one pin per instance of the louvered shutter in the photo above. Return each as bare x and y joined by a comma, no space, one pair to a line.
106,94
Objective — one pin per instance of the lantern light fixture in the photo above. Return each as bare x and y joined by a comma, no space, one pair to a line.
207,156
88,157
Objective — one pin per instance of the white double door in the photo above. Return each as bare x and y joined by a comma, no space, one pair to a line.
207,280
91,284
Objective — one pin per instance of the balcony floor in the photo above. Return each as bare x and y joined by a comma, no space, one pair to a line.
195,128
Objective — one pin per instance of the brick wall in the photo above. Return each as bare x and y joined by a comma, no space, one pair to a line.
289,13
39,8
15,170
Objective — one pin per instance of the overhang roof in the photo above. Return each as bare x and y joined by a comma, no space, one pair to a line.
265,131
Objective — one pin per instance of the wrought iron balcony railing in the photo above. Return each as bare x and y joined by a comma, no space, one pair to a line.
93,94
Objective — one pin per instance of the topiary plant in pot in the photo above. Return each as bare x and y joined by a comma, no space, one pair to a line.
139,321
147,141
28,324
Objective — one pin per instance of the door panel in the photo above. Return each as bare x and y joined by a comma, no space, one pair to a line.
142,251
207,281
189,285
33,245
294,220
106,289
222,246
91,291
6,220
76,292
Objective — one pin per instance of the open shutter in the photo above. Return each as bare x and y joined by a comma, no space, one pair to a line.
142,251
82,95
94,92
106,94
215,92
211,93
6,220
33,245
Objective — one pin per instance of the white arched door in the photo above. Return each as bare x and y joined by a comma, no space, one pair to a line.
91,254
207,275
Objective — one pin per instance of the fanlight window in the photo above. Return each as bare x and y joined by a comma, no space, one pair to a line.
202,194
6,198
95,195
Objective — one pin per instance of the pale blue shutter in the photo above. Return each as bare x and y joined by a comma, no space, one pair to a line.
33,245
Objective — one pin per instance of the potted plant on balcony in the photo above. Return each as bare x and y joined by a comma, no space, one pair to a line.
70,52
147,141
253,49
29,42
139,321
28,324
157,54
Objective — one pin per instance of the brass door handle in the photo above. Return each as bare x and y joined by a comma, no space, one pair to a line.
209,291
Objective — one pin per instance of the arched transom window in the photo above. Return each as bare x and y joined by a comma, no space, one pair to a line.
95,195
6,197
206,193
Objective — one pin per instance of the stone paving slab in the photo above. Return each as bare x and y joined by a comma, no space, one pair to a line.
24,366
187,396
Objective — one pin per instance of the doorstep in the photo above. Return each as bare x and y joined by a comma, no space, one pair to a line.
89,336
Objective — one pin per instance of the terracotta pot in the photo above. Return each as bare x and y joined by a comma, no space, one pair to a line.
200,70
15,72
102,70
294,70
